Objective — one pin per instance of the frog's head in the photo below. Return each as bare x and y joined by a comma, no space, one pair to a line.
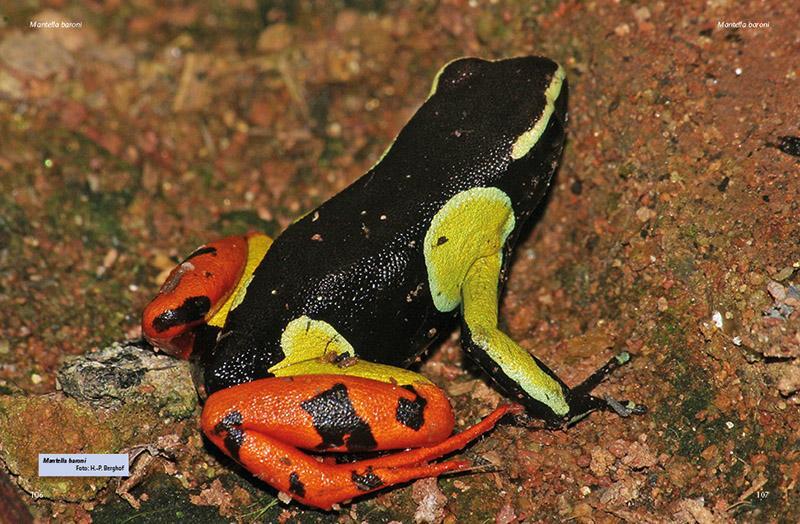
489,114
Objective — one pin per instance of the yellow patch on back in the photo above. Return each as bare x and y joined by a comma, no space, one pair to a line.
305,339
257,246
473,224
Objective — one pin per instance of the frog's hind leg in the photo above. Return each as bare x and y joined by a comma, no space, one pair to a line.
264,424
521,374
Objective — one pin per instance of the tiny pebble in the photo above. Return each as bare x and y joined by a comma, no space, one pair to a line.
777,291
642,14
784,273
645,213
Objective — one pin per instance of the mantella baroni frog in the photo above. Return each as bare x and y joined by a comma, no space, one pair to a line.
303,340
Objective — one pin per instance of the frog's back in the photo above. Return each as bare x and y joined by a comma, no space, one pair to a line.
460,139
357,261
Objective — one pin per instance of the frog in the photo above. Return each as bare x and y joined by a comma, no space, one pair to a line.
304,341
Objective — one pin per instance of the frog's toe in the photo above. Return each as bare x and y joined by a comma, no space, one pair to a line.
595,378
624,408
581,406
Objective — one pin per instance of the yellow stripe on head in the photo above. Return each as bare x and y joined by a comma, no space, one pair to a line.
529,138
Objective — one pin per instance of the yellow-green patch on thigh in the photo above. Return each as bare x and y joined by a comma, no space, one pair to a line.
473,224
305,338
356,368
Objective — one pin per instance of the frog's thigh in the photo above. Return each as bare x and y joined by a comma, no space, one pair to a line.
264,423
333,412
518,371
473,224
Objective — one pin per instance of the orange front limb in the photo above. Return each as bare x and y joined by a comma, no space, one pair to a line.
263,423
197,289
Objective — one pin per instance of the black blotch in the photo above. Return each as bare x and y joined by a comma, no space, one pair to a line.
337,422
234,436
789,145
576,187
441,240
201,251
707,31
233,419
296,486
723,186
192,309
368,481
233,442
411,413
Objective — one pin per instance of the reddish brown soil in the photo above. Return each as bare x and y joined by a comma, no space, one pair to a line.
672,229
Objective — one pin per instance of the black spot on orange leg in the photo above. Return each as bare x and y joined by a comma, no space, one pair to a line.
230,428
337,422
367,481
193,309
286,468
205,250
296,486
411,413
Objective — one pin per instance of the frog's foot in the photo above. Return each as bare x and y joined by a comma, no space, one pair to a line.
264,424
581,402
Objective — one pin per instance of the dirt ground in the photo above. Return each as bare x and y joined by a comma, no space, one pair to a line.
132,132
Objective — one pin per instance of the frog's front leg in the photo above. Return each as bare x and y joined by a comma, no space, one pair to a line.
521,374
194,301
264,424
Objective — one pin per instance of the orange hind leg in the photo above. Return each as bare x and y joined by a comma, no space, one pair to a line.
265,423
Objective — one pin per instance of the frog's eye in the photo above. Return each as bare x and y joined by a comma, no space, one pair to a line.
455,74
